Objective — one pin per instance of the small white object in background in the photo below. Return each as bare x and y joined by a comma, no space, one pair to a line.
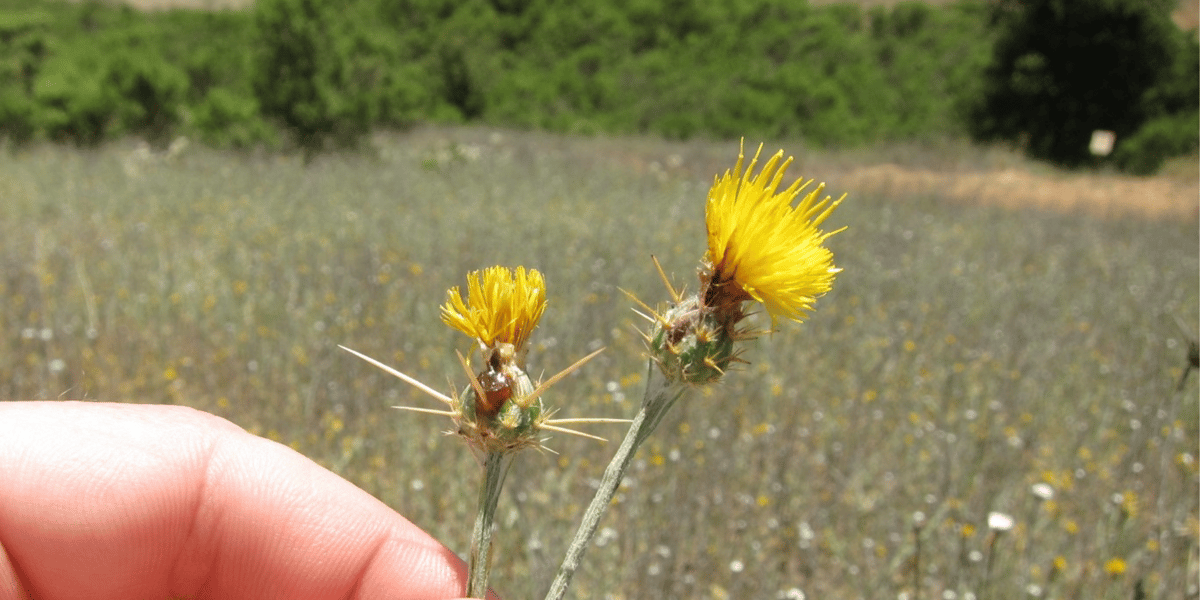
999,521
1102,142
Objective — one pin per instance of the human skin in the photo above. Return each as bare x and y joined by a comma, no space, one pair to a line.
122,501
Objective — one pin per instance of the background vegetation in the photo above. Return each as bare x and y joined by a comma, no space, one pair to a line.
1051,80
965,354
302,74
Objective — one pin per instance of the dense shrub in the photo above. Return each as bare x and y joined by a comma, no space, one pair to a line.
72,99
326,74
88,72
107,85
323,74
1174,114
1063,68
24,44
329,72
303,76
224,118
1145,152
767,68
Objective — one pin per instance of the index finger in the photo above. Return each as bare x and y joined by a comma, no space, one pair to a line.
121,501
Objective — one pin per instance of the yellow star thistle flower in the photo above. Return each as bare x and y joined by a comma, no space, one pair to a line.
1115,566
501,410
762,248
502,307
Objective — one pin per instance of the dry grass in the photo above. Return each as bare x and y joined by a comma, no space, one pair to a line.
966,353
1110,195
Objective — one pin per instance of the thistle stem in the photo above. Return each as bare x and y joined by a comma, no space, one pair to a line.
494,470
660,397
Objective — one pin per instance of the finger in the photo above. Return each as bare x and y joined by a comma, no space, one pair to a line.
121,501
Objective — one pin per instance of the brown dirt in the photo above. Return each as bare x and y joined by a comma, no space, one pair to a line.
957,173
1164,196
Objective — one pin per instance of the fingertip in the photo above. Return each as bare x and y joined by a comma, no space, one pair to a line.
304,527
177,502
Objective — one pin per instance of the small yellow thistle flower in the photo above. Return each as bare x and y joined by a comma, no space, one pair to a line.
501,410
1060,563
1115,566
762,248
502,307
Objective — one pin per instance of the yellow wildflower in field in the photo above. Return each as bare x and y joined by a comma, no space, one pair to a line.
502,307
1115,566
501,410
1060,563
762,248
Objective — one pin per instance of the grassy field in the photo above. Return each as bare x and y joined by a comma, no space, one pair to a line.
967,353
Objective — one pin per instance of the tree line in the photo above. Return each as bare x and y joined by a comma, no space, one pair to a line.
316,75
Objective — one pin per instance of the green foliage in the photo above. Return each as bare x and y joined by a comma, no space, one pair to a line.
324,75
89,72
304,75
1062,69
727,69
227,119
110,84
1174,109
73,102
1145,152
329,73
24,44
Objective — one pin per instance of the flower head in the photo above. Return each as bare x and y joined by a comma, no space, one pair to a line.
501,410
1115,566
502,306
762,248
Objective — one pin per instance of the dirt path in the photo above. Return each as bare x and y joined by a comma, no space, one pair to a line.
1164,196
958,173
967,174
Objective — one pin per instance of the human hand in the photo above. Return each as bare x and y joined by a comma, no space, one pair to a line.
124,501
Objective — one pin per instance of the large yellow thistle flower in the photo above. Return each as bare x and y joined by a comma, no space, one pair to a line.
502,306
762,248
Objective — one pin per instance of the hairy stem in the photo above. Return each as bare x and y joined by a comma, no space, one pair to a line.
494,469
660,396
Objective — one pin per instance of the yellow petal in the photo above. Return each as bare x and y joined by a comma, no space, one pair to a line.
502,305
774,251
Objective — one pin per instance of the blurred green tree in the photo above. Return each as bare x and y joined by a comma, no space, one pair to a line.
1064,68
321,68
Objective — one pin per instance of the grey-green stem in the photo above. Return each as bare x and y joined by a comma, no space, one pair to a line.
495,467
660,396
